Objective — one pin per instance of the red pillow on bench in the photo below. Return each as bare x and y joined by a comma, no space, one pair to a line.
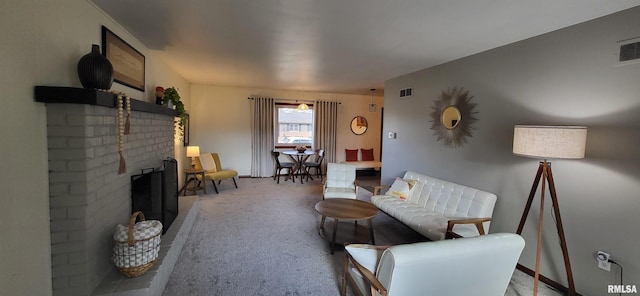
352,154
367,154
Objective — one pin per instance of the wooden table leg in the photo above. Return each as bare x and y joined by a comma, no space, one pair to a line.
373,241
204,184
322,222
300,170
333,236
186,183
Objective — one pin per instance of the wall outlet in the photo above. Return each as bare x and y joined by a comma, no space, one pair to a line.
603,260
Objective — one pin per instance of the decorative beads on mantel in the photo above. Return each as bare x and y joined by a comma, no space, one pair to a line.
123,127
123,165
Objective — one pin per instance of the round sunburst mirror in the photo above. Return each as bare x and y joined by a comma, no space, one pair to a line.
453,117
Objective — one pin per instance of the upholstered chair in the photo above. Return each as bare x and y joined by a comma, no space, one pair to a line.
210,162
341,181
481,265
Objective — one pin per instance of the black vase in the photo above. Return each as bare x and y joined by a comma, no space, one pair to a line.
95,70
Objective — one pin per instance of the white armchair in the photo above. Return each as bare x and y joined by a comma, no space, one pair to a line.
481,265
341,181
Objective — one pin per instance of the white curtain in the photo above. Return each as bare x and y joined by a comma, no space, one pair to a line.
262,134
325,129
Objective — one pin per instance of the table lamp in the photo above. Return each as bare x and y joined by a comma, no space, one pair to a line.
193,152
545,142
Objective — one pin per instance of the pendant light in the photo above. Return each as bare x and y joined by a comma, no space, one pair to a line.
372,106
303,106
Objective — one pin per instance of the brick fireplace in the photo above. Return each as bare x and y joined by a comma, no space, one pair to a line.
87,195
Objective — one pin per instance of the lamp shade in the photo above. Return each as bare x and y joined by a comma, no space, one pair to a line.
193,151
549,141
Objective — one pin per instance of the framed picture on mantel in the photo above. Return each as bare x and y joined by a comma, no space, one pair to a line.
128,63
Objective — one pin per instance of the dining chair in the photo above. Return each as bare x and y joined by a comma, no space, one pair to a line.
316,164
281,165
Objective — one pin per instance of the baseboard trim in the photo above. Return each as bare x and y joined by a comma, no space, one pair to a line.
545,279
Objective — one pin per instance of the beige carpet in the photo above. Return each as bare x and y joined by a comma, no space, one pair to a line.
262,239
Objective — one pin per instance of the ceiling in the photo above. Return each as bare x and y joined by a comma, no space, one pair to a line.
335,46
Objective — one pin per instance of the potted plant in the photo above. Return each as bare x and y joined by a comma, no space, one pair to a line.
171,96
159,95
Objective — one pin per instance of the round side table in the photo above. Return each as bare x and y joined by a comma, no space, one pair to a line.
192,174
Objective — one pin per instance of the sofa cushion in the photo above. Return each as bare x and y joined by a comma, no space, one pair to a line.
352,154
339,192
367,154
366,255
221,174
208,164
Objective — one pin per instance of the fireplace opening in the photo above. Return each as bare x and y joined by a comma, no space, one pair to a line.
154,192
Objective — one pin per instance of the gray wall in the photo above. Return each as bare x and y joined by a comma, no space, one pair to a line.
40,44
566,77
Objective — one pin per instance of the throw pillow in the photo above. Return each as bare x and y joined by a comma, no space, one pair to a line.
206,159
367,154
366,255
352,154
415,185
402,188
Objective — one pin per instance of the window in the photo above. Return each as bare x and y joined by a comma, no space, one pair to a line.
295,127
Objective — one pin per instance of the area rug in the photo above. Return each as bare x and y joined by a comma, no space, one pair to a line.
262,239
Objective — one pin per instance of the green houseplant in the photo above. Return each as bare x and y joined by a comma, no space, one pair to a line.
171,95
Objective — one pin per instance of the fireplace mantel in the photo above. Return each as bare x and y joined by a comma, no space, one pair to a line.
74,95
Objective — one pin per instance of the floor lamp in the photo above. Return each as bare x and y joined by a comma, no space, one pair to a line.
547,142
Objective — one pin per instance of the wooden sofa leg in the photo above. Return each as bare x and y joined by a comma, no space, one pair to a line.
234,182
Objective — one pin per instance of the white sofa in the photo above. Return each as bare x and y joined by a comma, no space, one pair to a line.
437,209
480,266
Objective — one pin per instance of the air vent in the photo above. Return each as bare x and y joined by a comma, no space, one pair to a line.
629,51
407,92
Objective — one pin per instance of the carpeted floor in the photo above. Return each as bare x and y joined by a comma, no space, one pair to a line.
262,239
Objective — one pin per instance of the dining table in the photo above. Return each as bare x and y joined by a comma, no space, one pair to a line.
299,157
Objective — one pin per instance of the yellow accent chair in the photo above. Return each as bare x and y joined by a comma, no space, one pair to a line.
215,173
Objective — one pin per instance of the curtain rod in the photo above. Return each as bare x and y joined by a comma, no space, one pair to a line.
291,100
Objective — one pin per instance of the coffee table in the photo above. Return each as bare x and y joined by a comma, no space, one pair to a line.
346,209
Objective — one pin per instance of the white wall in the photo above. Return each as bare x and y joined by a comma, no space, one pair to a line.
566,77
40,44
220,121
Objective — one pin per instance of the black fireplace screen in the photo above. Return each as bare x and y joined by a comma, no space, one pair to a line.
155,193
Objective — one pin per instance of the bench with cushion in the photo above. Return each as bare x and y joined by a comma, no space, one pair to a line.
365,161
435,208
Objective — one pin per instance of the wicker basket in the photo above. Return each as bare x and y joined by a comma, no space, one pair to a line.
137,251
